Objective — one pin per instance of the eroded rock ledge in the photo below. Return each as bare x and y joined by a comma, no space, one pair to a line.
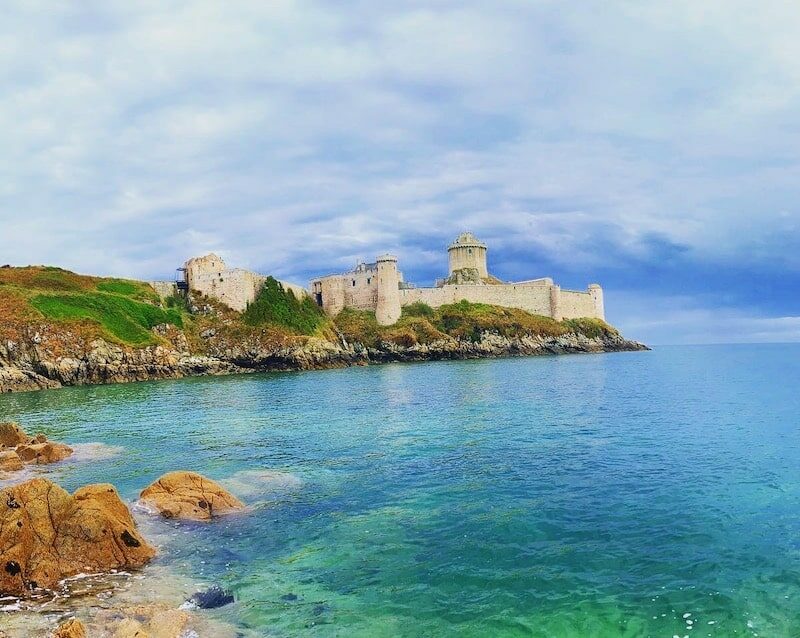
28,366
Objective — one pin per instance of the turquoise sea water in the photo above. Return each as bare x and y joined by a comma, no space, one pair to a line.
600,495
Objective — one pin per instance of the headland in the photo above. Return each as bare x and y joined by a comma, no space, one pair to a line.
60,328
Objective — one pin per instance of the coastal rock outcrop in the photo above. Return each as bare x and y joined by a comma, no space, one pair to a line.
189,496
11,435
17,448
43,453
46,534
59,358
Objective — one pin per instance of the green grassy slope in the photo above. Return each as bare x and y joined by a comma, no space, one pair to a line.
120,310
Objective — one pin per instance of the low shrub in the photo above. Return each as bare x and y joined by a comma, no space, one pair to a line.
590,327
278,307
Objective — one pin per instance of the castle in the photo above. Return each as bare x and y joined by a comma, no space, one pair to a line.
379,287
235,287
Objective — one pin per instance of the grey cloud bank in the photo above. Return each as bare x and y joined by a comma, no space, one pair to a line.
652,147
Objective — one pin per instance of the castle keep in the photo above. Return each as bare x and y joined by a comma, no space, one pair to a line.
379,287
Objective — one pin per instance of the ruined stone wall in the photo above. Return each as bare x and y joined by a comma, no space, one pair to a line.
164,289
204,266
531,298
235,287
356,289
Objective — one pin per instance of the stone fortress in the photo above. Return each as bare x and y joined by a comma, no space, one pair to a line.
379,287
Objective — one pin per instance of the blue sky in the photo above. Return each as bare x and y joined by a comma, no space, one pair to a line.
649,146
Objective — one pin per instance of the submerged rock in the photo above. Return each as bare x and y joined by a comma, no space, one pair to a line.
10,461
46,534
43,453
211,598
189,496
73,628
151,622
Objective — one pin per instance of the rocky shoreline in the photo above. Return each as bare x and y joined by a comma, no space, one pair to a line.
59,548
46,359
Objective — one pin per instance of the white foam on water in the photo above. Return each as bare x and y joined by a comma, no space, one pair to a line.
253,483
94,451
81,453
20,476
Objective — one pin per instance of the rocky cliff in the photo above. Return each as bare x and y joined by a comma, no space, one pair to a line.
31,364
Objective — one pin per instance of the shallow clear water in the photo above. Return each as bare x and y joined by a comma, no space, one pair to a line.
602,495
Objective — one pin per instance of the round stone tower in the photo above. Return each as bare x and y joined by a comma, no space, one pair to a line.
387,311
597,295
467,252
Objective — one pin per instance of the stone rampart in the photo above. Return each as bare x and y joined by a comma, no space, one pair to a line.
535,297
575,304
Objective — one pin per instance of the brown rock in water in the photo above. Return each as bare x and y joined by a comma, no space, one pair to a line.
130,628
46,534
11,435
153,623
73,628
10,461
42,453
188,495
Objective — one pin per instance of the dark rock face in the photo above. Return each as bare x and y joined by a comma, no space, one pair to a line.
212,598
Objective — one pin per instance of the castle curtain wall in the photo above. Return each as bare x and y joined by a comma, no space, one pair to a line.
532,298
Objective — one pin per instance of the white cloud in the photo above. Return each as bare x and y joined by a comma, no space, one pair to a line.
300,134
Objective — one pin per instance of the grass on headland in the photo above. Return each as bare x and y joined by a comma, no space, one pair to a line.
420,323
125,319
129,288
120,310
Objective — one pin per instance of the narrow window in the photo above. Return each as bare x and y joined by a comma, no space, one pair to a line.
354,282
